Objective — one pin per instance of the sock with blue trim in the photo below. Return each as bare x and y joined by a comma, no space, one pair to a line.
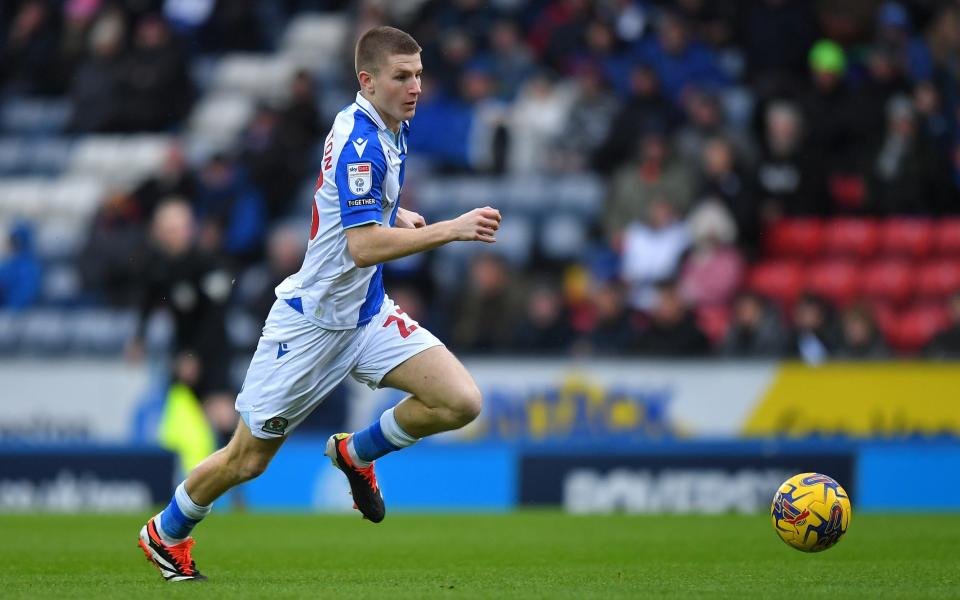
180,517
382,437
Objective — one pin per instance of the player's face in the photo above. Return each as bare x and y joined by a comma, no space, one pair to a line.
397,88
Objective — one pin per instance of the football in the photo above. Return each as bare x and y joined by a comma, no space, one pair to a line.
810,512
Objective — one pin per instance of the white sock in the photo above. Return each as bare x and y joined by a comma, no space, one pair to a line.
190,509
393,432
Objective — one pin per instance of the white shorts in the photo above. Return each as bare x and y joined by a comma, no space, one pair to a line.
297,363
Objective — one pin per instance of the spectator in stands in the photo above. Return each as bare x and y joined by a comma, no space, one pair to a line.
155,86
860,337
678,59
195,288
712,271
275,161
946,344
230,210
909,172
285,249
611,332
814,337
657,175
652,251
885,79
299,121
112,257
712,22
705,121
559,32
484,317
932,121
944,43
837,121
95,93
591,114
646,109
776,35
456,52
672,330
21,273
724,179
756,330
545,326
536,122
789,176
443,127
234,26
30,47
895,36
175,178
509,60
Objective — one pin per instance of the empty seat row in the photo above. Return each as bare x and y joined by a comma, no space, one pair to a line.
119,159
46,331
50,199
34,116
260,76
317,41
905,236
34,155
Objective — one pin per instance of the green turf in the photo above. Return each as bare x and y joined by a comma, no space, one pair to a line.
524,555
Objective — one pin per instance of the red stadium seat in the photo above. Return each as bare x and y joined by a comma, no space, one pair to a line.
885,315
888,280
835,280
851,237
714,321
947,234
781,281
794,238
906,237
938,278
915,327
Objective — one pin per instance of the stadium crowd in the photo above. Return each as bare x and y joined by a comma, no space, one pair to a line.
715,128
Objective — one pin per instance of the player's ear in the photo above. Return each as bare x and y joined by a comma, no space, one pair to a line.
366,81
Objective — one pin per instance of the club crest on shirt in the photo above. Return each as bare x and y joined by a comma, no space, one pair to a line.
360,177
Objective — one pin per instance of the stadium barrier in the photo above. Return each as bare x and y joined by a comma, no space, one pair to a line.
596,436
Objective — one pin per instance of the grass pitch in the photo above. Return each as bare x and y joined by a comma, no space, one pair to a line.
523,555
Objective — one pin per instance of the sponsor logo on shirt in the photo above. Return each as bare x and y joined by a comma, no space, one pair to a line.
360,177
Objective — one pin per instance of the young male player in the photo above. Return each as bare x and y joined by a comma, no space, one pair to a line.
333,319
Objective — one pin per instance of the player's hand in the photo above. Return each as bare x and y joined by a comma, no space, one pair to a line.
480,225
409,219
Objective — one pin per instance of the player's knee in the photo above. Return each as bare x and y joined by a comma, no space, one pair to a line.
465,404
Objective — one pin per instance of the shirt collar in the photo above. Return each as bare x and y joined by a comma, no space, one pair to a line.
368,108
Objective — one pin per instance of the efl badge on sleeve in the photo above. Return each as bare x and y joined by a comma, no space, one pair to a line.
360,176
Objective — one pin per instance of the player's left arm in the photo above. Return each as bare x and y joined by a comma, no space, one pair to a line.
407,219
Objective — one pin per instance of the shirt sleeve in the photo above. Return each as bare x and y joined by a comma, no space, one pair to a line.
361,170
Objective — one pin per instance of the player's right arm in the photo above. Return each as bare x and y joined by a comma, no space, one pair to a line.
372,244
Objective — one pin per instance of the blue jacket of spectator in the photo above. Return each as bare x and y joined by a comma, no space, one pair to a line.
441,130
696,64
238,206
21,273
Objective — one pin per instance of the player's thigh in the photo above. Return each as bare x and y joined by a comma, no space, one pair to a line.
436,377
296,365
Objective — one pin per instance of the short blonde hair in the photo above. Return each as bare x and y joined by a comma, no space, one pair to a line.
378,43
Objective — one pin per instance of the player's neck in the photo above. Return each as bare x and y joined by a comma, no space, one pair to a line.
392,124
